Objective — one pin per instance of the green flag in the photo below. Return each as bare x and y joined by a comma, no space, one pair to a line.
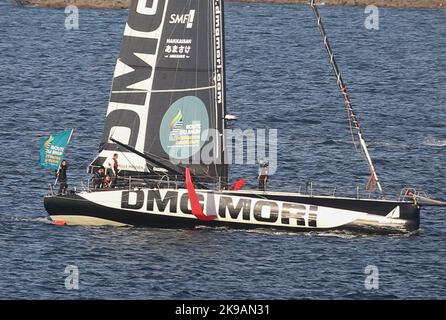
52,149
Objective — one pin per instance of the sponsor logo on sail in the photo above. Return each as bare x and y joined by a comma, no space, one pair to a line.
177,121
177,48
182,128
187,19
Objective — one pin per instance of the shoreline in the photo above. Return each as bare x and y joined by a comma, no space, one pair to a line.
123,4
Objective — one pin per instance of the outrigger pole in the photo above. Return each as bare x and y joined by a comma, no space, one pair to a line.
352,116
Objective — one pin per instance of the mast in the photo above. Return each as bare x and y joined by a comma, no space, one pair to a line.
220,76
352,116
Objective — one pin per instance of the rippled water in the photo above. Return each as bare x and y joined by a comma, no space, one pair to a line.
278,77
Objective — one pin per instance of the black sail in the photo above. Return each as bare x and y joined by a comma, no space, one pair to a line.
168,92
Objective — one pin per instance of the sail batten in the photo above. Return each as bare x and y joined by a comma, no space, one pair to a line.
174,90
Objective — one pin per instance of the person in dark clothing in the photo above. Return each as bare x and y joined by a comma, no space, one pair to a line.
107,181
61,175
115,171
263,175
98,178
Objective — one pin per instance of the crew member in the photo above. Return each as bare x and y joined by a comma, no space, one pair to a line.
98,178
263,175
115,170
107,181
61,175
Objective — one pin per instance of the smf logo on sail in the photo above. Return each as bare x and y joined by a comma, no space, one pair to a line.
187,19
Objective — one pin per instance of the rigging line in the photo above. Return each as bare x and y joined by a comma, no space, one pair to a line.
351,131
209,41
128,160
347,102
212,63
136,170
225,171
175,168
197,37
350,126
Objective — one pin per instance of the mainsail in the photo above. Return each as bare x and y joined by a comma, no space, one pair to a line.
168,92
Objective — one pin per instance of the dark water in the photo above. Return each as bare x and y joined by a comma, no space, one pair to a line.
278,77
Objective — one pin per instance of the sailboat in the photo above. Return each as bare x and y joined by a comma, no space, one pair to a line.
167,105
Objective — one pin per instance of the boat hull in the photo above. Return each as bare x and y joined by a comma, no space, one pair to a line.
170,208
